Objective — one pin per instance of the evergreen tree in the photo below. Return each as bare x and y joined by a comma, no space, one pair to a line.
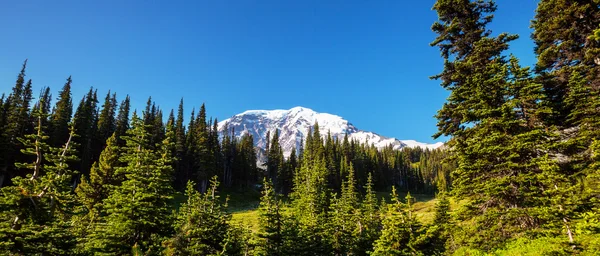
106,122
102,180
43,104
247,174
274,160
567,67
202,225
137,211
16,108
203,164
368,227
439,231
492,115
344,216
562,31
122,122
399,229
35,211
271,220
86,127
286,175
180,148
61,115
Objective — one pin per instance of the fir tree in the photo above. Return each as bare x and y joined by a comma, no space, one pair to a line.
399,229
103,179
202,226
35,211
368,227
61,115
271,220
344,216
106,121
85,118
122,122
274,160
562,31
137,211
16,107
180,148
492,115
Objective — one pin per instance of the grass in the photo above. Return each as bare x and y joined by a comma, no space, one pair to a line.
243,206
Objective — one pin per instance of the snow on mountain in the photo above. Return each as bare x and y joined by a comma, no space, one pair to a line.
294,124
415,144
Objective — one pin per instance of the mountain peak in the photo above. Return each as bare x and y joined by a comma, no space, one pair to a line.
293,125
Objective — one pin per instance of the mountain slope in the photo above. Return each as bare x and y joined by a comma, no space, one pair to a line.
294,124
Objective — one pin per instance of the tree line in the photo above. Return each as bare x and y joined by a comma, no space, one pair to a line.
522,166
103,179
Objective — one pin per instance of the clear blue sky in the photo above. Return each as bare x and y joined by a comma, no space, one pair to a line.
367,61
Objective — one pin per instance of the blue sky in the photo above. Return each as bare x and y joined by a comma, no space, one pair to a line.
367,61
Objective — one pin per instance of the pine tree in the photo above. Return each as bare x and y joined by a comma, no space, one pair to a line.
122,122
85,118
203,164
271,221
61,115
137,211
493,115
43,104
106,122
35,211
434,240
102,180
568,69
247,157
16,107
344,216
286,175
202,225
368,228
311,202
399,229
562,31
274,158
180,148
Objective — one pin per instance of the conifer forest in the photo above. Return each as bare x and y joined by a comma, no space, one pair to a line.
518,175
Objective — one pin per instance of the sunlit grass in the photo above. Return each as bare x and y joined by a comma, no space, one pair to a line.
243,207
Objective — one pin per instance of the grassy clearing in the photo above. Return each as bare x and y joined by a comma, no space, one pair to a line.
243,206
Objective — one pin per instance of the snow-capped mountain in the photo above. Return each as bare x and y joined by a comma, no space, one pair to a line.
294,124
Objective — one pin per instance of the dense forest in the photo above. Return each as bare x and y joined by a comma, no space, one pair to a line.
520,174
